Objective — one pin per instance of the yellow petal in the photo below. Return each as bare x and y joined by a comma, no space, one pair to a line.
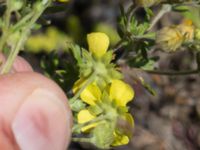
120,139
85,116
130,119
121,92
78,84
98,43
91,94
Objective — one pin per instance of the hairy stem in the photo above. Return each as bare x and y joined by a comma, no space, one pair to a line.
20,43
165,8
6,26
82,140
176,73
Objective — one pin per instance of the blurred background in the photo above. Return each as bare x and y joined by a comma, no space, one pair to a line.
170,120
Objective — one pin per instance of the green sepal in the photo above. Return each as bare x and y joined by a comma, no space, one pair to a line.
77,105
102,135
107,57
76,50
95,110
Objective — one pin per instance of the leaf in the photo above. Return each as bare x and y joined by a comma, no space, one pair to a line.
76,50
149,13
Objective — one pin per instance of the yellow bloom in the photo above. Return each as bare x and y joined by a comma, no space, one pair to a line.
120,139
98,43
85,116
169,39
121,92
91,94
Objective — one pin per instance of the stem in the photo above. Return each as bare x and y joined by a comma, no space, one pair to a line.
78,127
22,21
82,140
13,53
5,29
118,45
176,73
90,79
165,8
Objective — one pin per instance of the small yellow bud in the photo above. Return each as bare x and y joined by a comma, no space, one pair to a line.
98,43
169,39
146,3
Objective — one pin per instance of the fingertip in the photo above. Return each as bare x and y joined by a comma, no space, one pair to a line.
42,122
21,65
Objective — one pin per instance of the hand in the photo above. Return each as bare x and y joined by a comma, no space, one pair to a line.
34,113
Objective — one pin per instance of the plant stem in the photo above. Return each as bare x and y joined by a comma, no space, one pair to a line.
176,73
6,26
165,8
82,140
22,21
78,127
90,79
24,33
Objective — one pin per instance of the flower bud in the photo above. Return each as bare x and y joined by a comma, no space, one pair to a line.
146,3
169,39
98,43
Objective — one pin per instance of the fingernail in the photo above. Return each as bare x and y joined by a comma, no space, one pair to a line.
41,123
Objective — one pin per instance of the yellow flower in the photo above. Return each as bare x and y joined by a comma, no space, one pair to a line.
98,43
119,93
91,94
85,116
169,39
120,139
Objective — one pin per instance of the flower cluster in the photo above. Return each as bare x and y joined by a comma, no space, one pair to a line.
105,97
171,38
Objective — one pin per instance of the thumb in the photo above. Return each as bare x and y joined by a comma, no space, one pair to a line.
41,122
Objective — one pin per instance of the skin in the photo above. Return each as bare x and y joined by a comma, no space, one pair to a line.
34,113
